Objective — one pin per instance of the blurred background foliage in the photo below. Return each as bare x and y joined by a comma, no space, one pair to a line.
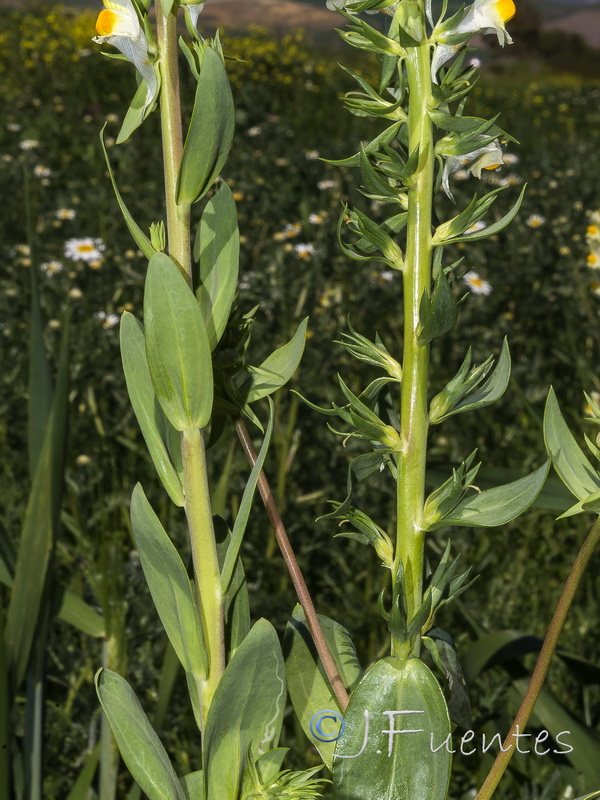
58,91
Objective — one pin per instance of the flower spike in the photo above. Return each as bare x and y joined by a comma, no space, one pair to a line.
119,25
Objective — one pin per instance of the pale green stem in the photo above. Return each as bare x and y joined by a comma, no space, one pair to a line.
417,280
204,557
543,663
178,216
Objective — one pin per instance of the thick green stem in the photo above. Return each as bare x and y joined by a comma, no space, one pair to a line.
178,216
204,558
543,663
417,280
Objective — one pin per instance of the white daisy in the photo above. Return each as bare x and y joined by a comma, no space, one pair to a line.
108,320
86,249
52,267
535,220
29,144
65,213
324,185
41,171
476,284
304,251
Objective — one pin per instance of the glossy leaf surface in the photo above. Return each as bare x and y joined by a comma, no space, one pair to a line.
385,754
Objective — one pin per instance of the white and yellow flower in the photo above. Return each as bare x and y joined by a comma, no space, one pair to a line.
484,16
487,157
119,25
476,284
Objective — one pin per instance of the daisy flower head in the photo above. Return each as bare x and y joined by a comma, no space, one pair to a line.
108,320
65,213
29,144
41,171
535,220
119,25
324,185
52,267
593,260
86,249
304,251
476,284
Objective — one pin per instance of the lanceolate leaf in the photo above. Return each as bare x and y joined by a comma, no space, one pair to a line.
569,461
135,113
309,686
169,585
277,369
139,236
145,405
177,346
392,755
141,749
39,526
217,250
499,505
246,711
210,133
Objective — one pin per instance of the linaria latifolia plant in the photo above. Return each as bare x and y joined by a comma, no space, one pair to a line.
421,96
188,372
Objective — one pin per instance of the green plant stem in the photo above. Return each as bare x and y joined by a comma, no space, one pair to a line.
204,557
543,663
337,685
178,216
417,280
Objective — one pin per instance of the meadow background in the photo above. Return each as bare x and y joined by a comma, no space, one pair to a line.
58,91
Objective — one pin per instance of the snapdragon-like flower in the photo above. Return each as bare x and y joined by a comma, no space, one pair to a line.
484,16
487,157
119,25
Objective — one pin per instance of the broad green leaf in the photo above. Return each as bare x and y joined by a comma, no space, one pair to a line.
569,461
87,774
438,312
147,410
499,505
310,690
39,526
169,585
193,785
390,755
277,369
140,747
139,236
177,346
217,251
210,133
241,519
246,711
135,113
39,401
